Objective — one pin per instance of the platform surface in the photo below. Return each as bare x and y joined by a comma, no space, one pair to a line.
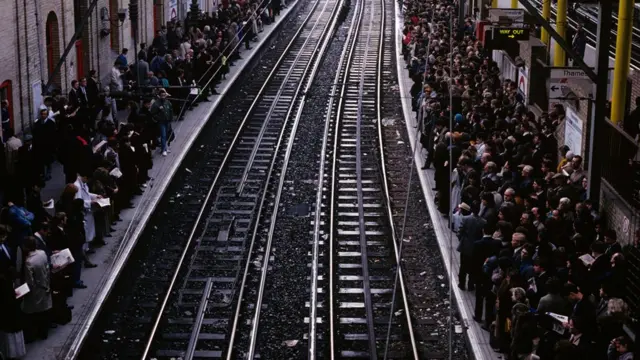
64,341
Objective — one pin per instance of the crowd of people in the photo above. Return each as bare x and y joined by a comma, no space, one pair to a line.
106,159
547,272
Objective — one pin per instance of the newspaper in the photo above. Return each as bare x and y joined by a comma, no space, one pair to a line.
558,324
22,290
103,202
61,260
116,173
587,259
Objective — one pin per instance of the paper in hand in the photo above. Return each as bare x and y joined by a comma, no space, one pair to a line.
103,202
116,173
49,204
61,260
587,259
99,146
22,290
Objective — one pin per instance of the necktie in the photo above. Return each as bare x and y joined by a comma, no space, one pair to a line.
4,248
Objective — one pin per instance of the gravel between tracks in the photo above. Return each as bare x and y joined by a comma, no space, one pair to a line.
288,284
121,329
425,276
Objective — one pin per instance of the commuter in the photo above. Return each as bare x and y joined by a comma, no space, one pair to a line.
37,303
162,114
106,159
548,235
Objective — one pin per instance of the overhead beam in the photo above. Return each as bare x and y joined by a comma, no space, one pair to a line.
597,121
63,58
577,60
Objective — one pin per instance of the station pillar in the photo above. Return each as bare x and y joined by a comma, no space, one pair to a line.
546,14
514,4
622,61
494,4
559,56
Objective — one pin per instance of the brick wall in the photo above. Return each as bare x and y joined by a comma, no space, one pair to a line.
24,52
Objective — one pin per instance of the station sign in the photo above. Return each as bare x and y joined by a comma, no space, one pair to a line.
507,17
504,38
506,34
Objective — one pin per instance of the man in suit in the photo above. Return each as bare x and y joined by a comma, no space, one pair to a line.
93,89
57,239
74,95
554,302
600,267
41,235
583,308
7,256
28,169
45,141
538,284
579,340
482,251
470,231
517,244
612,244
85,114
37,302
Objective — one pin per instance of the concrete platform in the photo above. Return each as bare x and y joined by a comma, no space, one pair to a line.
64,342
477,338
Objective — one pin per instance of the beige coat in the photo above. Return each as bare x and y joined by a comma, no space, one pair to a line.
37,276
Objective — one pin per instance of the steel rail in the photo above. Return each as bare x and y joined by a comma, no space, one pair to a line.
274,103
313,303
215,182
326,36
359,12
202,309
397,243
366,281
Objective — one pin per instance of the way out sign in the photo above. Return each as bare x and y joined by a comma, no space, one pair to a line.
513,34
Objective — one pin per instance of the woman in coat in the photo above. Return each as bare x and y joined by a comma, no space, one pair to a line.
37,302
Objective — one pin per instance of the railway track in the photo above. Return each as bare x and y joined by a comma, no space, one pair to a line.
356,227
205,296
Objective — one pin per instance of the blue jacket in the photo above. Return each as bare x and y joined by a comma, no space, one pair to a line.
20,220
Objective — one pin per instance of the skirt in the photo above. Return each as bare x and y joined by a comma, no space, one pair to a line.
12,345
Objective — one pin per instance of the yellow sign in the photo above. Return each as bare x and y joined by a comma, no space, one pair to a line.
513,33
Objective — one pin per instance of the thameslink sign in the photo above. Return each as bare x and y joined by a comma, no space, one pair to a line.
569,74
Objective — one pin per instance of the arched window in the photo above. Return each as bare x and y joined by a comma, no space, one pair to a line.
53,46
6,93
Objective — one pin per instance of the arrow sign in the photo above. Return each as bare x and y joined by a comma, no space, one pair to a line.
554,88
510,34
